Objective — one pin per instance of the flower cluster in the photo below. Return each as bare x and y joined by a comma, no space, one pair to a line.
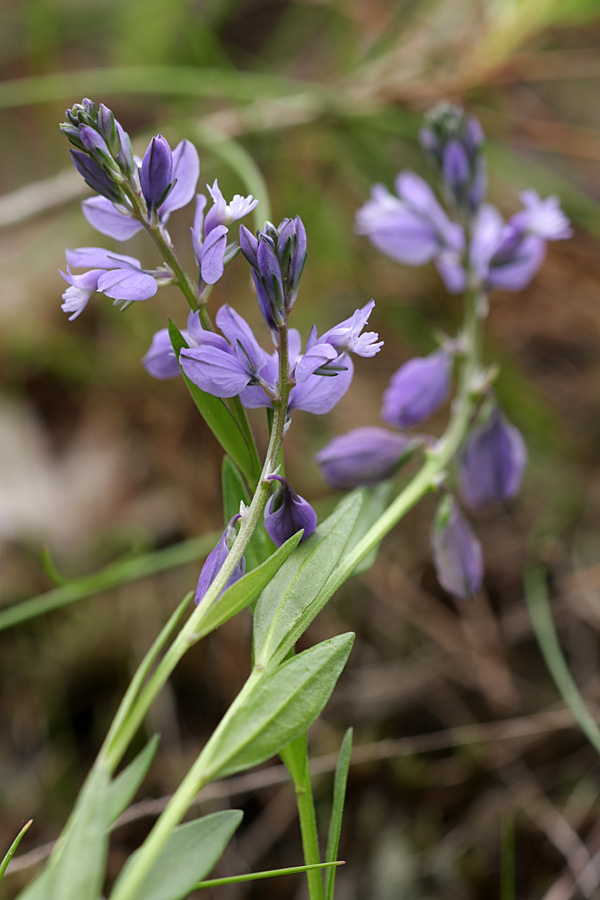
137,194
471,247
412,227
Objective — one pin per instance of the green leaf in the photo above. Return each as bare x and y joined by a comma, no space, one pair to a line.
374,502
275,707
536,595
247,589
81,868
192,851
219,418
76,869
337,809
234,489
13,847
282,605
124,786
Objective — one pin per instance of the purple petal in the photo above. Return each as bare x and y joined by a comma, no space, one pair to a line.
286,513
457,553
364,456
156,171
127,285
160,360
492,462
98,258
186,169
214,369
240,336
215,560
212,254
105,218
217,214
417,389
320,393
315,357
515,273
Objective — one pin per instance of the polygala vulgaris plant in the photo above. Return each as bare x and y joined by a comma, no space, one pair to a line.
273,556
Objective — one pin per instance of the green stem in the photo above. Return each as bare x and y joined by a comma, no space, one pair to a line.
113,749
438,458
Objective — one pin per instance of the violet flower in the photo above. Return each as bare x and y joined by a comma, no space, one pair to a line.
417,389
457,553
215,560
363,456
411,228
209,233
492,462
237,364
116,220
160,360
508,255
286,513
119,277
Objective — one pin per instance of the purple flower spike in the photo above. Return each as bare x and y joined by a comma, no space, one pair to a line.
417,389
156,173
287,513
215,560
457,553
492,462
364,456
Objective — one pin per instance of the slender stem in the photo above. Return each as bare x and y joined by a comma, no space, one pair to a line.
437,461
113,751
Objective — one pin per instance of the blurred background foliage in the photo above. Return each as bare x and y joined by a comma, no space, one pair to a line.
470,766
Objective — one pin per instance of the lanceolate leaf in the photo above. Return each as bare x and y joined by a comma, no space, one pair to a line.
247,589
337,809
189,856
276,707
220,419
121,790
374,502
75,871
284,601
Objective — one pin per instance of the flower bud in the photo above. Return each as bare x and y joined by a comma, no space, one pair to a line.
156,173
286,513
215,560
492,462
364,456
453,141
277,256
95,177
457,553
417,389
